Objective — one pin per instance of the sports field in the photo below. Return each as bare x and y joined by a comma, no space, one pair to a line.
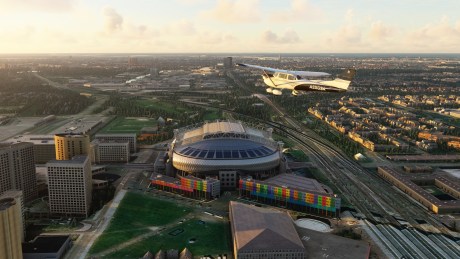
163,106
128,125
135,216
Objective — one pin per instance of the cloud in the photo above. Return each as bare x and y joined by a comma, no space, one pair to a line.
113,20
300,10
347,37
239,11
214,38
289,37
349,15
184,27
379,31
37,5
440,36
191,2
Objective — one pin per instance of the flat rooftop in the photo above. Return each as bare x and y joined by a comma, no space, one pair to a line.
7,145
408,181
80,159
422,158
45,244
35,139
326,245
293,181
80,125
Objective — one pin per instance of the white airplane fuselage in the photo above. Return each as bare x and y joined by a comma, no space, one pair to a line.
291,82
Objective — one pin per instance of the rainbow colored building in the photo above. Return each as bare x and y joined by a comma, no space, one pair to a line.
318,202
189,186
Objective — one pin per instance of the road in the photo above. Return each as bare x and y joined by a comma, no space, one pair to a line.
51,83
81,247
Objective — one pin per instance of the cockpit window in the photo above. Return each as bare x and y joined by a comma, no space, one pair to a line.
283,76
291,77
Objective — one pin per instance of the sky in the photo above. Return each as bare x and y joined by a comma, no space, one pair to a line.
188,26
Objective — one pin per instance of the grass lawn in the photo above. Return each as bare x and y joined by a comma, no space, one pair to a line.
170,107
128,125
211,238
212,115
299,155
135,214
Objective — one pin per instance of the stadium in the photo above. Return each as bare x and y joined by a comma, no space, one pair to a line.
225,150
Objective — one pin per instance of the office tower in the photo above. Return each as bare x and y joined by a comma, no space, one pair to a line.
17,169
228,63
70,186
106,151
130,137
11,228
19,199
44,148
70,145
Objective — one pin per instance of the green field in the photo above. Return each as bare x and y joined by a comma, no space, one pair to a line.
298,155
128,125
212,115
211,238
170,107
134,216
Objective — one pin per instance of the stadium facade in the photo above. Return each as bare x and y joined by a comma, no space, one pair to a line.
293,192
225,149
221,150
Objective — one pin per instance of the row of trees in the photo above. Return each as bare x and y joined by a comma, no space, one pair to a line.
27,96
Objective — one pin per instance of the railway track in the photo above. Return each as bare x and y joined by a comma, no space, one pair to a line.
369,193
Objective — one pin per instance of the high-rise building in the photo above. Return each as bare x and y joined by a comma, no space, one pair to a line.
17,169
11,229
111,151
130,137
228,62
70,186
70,145
19,199
44,149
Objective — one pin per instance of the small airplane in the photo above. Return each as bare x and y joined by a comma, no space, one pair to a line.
279,79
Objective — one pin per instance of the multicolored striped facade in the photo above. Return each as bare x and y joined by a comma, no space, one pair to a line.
290,198
195,188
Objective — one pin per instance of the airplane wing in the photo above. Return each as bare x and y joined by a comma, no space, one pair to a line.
298,73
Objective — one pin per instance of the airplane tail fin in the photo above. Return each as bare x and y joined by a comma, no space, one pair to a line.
344,79
348,74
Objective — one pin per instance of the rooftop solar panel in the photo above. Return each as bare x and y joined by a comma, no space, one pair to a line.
189,151
202,154
258,153
227,154
210,154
